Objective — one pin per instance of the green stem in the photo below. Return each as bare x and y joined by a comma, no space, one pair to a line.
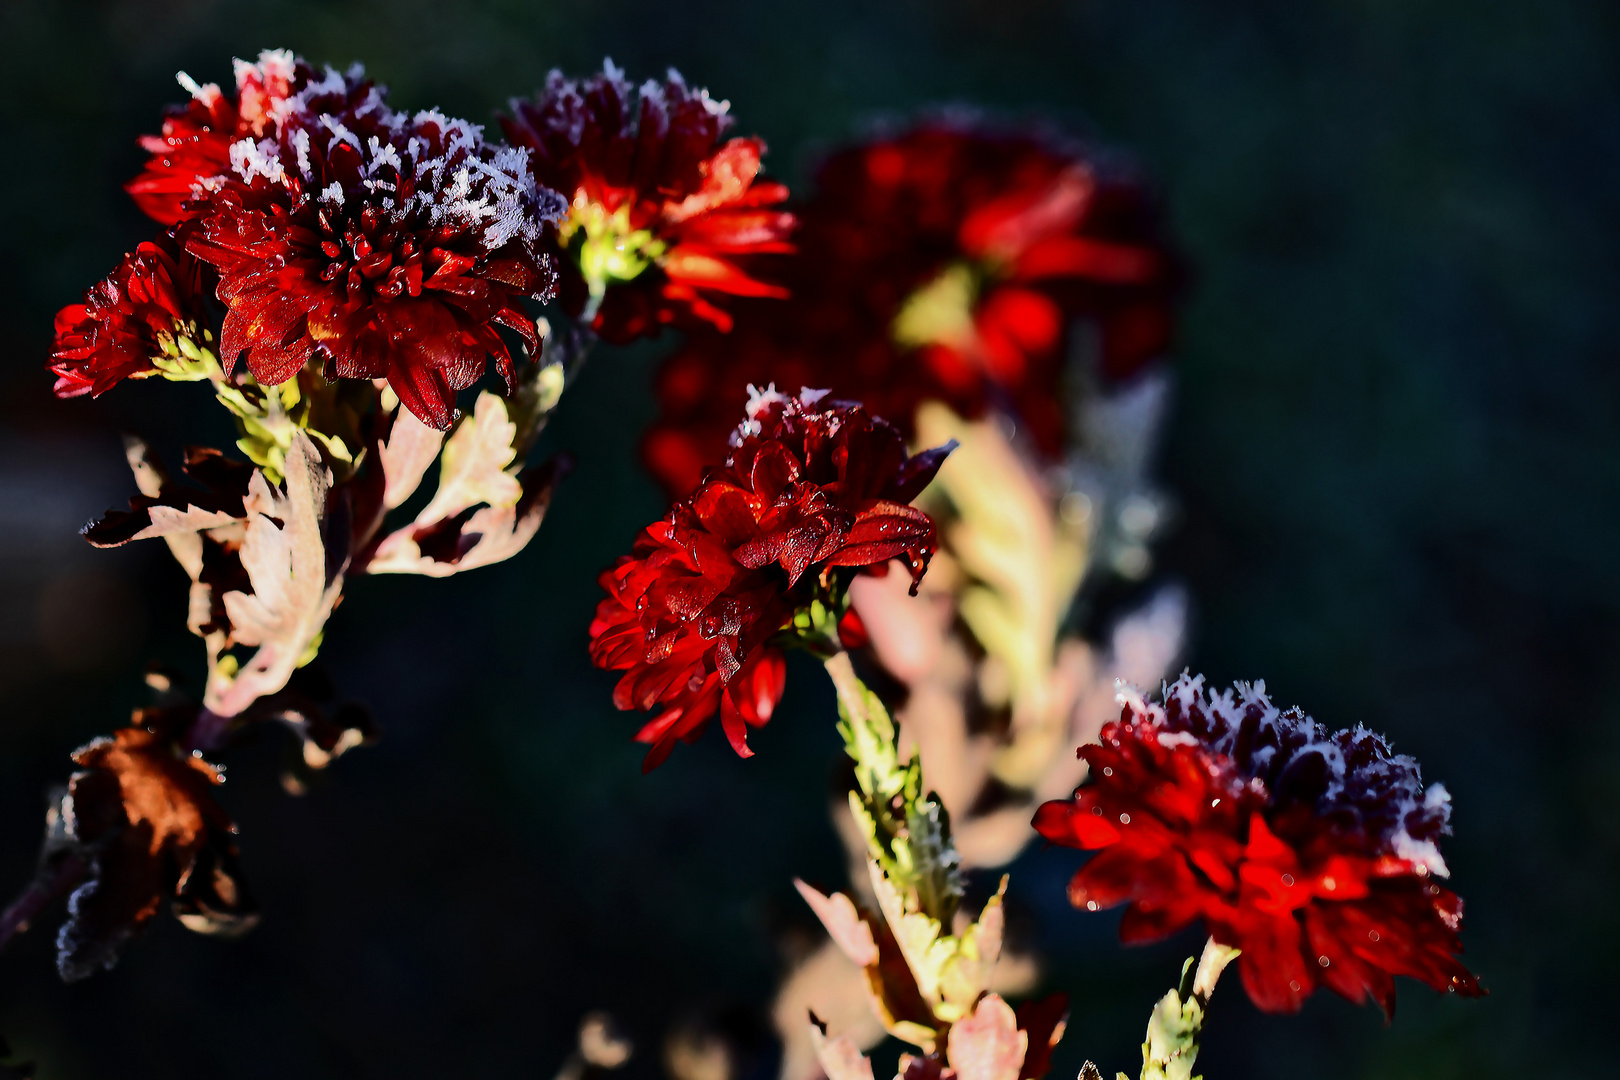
907,829
1177,1023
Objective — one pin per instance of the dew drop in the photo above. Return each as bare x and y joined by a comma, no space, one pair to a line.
1091,905
1108,770
1293,985
1324,961
1097,810
1124,819
1288,881
1329,884
1372,935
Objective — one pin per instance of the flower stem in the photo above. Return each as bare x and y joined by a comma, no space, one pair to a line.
907,829
1177,1023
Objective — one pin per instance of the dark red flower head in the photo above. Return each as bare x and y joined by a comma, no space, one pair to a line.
389,246
149,307
662,213
1314,853
693,614
948,262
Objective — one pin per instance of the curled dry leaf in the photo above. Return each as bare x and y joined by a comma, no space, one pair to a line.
840,1058
164,508
844,924
148,822
988,1044
484,511
294,583
410,448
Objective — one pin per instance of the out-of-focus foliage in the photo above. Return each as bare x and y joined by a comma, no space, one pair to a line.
1396,447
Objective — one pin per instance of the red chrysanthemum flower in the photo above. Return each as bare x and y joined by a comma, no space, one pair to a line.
948,262
663,215
810,488
143,311
389,246
193,154
1314,853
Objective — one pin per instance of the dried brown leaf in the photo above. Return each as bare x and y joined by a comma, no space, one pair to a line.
987,1045
406,455
294,588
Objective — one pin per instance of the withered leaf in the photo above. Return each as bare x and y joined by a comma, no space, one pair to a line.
164,508
839,1057
988,1044
409,450
472,468
843,922
148,821
284,555
439,547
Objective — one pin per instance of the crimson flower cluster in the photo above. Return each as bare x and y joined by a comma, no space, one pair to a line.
385,245
151,300
1314,853
693,615
946,262
663,214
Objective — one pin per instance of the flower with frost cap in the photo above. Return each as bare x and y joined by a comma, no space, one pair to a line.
1316,854
662,215
385,245
812,489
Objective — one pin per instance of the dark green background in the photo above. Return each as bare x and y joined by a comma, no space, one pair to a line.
1395,446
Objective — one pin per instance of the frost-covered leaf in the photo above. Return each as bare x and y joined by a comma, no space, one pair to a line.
294,587
840,1058
844,924
987,1045
409,450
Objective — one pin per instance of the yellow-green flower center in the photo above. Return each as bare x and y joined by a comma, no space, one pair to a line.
608,249
940,312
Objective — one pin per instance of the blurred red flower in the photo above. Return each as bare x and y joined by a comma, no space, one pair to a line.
390,245
693,613
946,262
1315,854
152,299
662,215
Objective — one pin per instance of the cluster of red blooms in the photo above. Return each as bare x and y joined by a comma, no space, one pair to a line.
693,613
948,262
393,246
1314,853
153,296
662,213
